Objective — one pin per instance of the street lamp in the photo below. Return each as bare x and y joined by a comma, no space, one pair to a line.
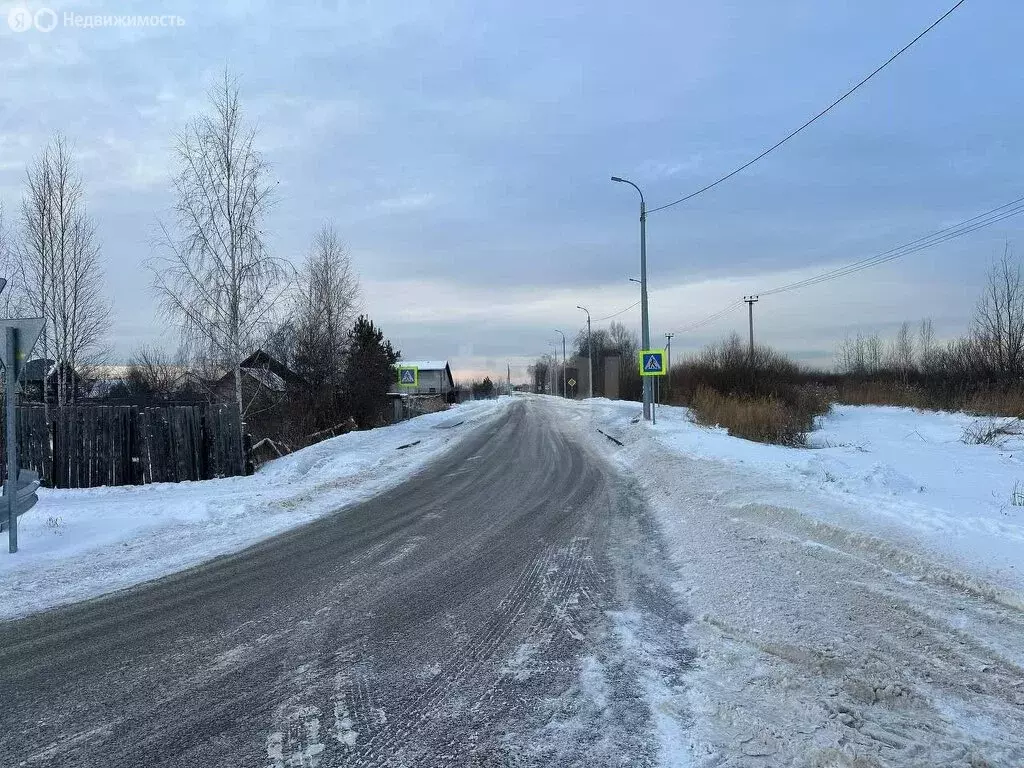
565,392
644,318
590,352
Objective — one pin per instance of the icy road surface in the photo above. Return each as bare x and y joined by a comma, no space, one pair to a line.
538,595
509,605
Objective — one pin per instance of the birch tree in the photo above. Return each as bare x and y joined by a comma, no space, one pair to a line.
326,299
213,273
60,269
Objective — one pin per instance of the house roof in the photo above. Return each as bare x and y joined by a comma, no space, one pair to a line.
267,378
34,370
425,365
268,371
261,360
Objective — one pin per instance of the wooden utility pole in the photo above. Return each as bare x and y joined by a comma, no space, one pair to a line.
751,300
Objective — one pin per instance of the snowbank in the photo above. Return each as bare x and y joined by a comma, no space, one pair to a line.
77,544
841,598
897,473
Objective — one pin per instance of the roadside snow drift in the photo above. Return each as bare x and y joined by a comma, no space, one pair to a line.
896,473
855,605
78,544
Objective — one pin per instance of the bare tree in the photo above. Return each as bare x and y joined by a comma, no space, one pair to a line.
12,298
325,309
998,325
214,275
860,355
154,372
900,357
60,267
926,349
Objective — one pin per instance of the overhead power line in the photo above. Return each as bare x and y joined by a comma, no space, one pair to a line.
965,227
710,318
814,119
616,314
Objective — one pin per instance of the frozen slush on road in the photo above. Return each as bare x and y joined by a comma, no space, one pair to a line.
78,544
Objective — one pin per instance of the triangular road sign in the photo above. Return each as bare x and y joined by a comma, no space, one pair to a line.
29,329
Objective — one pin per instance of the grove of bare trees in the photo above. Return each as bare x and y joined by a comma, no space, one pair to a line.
59,269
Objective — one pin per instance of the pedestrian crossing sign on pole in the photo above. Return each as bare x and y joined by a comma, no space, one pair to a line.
408,376
652,362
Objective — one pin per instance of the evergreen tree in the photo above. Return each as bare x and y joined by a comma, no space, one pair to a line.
369,373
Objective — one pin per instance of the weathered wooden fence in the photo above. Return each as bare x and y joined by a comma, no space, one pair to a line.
92,445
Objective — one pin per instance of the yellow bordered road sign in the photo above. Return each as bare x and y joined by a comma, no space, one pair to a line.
408,376
652,362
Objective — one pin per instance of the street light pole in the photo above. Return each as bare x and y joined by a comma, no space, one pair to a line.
554,362
590,351
565,392
644,316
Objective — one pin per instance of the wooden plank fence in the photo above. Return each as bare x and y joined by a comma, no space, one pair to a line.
93,445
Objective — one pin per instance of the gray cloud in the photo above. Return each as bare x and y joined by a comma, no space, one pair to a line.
464,152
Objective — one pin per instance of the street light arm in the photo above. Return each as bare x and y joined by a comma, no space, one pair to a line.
634,186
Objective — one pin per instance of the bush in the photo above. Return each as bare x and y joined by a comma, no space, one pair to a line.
769,399
990,432
762,419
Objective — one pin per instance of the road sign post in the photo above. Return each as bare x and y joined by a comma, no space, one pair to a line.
24,496
10,492
19,493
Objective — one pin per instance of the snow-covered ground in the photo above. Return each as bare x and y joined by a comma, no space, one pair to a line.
897,473
854,604
77,544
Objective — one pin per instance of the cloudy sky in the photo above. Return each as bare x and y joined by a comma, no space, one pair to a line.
463,149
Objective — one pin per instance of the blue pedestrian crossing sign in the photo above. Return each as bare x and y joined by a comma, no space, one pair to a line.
408,376
652,362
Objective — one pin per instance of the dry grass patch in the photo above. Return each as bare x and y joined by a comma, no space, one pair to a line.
762,419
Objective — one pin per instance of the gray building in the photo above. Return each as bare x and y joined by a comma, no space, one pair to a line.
435,378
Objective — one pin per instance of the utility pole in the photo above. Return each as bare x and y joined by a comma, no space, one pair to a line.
751,300
668,369
590,351
565,391
508,368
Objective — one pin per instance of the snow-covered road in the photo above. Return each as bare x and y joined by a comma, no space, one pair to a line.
712,603
78,544
509,605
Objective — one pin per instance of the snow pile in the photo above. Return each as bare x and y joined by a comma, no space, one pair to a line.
896,473
77,544
842,599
